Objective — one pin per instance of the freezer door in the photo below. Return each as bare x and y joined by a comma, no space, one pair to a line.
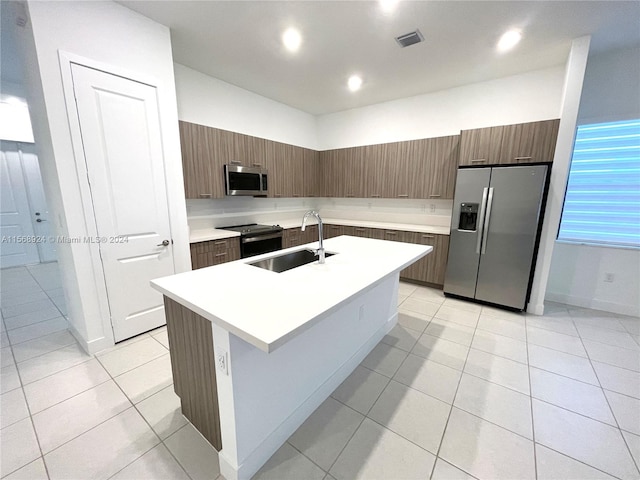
464,249
512,224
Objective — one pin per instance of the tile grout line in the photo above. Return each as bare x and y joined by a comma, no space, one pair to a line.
33,426
134,405
576,460
624,440
533,424
446,425
365,415
75,342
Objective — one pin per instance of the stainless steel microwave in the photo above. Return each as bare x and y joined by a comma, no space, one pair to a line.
248,181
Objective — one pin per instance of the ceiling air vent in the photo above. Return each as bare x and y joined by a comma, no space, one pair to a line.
410,38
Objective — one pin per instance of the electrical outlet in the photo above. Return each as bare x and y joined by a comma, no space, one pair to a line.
609,277
222,363
432,207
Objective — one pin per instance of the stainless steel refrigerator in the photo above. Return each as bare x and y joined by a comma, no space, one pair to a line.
495,225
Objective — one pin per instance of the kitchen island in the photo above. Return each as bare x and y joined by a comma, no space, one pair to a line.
255,352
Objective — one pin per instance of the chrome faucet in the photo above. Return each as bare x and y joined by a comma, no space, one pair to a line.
320,251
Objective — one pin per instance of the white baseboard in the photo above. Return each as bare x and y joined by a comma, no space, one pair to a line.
94,346
594,303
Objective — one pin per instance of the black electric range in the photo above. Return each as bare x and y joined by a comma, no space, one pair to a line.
256,239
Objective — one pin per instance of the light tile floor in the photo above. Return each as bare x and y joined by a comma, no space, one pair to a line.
455,391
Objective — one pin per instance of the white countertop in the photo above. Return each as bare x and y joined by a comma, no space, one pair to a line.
205,234
266,308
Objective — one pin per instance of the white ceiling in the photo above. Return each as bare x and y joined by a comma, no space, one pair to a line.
239,42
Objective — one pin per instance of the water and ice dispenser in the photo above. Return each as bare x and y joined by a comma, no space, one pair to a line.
468,217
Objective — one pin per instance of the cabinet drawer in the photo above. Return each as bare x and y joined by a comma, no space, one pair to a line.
214,252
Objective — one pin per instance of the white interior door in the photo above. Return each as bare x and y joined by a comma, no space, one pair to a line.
122,143
18,245
40,216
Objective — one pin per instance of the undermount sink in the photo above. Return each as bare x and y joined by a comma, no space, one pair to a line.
288,261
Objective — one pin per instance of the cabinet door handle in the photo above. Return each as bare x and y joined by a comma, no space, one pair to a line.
256,164
220,243
479,160
235,162
360,229
522,159
435,196
205,195
428,236
220,254
404,195
391,233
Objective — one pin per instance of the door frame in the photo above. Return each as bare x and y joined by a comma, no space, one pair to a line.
66,59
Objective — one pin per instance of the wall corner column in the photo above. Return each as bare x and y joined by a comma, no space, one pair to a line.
572,91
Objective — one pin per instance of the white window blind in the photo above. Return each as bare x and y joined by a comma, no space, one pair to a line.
602,203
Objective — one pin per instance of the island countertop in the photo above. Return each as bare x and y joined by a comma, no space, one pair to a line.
266,309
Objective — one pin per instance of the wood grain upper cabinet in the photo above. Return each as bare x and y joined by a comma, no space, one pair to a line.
313,178
203,157
244,150
343,171
278,159
480,146
432,171
532,142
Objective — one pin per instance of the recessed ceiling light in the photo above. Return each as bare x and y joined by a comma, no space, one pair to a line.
355,82
292,39
509,40
388,6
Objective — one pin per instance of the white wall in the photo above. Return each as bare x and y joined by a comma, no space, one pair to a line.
15,123
611,92
116,37
521,98
208,101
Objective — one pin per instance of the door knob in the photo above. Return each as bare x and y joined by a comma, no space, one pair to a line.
40,220
165,243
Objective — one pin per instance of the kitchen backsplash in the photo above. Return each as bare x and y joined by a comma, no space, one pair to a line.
242,210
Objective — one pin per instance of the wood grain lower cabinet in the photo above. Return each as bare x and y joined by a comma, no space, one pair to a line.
292,237
331,231
430,269
193,369
214,252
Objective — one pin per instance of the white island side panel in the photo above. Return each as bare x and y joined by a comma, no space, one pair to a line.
267,396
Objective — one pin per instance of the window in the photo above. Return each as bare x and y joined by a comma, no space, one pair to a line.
602,203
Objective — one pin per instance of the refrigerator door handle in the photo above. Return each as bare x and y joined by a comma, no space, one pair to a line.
483,207
485,233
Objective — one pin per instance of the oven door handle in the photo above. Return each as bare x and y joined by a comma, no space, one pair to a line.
259,238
